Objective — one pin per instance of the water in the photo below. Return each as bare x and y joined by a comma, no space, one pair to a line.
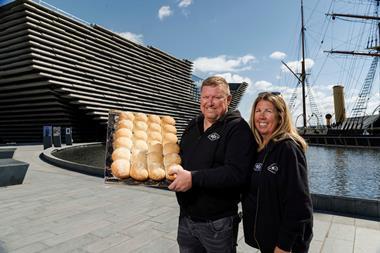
344,171
92,155
332,171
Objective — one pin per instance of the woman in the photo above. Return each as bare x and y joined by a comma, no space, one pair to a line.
277,208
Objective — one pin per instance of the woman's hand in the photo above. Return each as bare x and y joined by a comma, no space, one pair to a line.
278,250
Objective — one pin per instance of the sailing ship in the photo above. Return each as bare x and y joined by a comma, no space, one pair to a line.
360,129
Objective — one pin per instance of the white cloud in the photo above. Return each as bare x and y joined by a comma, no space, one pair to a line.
277,55
246,104
247,58
223,63
262,85
295,66
234,78
137,38
164,12
373,104
184,3
323,99
258,86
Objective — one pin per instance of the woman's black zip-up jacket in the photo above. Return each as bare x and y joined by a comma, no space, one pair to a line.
277,208
220,160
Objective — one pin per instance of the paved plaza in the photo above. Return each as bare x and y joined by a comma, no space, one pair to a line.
56,210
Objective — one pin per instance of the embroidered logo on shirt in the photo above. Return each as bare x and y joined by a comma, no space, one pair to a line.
257,167
272,168
213,137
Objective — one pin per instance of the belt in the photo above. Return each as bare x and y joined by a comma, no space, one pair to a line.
200,219
197,219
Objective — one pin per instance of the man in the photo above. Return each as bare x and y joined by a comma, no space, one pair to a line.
217,151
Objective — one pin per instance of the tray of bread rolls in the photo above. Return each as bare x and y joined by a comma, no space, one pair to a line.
140,148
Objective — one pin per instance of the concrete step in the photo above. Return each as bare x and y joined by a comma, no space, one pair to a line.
7,152
12,171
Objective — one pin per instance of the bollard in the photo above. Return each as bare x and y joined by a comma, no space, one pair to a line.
57,136
47,136
68,136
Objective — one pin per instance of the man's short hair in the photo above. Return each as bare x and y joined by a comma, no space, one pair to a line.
217,81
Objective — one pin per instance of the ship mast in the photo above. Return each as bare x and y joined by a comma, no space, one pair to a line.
362,100
303,70
377,47
301,77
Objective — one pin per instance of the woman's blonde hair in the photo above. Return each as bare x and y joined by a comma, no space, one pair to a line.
285,128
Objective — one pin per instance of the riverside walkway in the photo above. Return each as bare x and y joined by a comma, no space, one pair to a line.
56,210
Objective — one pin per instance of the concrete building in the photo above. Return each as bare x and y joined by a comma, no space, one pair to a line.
58,70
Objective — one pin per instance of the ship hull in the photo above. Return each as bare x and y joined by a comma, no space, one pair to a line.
361,141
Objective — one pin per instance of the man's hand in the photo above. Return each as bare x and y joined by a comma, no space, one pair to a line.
183,181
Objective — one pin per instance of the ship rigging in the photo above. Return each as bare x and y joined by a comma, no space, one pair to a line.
360,129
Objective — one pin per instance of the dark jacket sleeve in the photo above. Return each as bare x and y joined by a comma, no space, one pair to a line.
296,206
240,152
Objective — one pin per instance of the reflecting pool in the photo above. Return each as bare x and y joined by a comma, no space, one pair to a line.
332,171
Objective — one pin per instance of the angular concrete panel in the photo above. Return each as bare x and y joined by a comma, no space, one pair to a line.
12,172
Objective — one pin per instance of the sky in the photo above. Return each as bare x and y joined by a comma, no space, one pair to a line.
243,40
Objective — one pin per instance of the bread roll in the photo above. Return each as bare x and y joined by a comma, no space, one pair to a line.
141,117
139,171
168,120
126,115
138,156
156,171
154,118
154,127
154,157
139,134
120,168
170,148
155,147
169,138
169,176
125,123
123,142
140,125
121,153
154,136
172,158
140,145
123,132
166,128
